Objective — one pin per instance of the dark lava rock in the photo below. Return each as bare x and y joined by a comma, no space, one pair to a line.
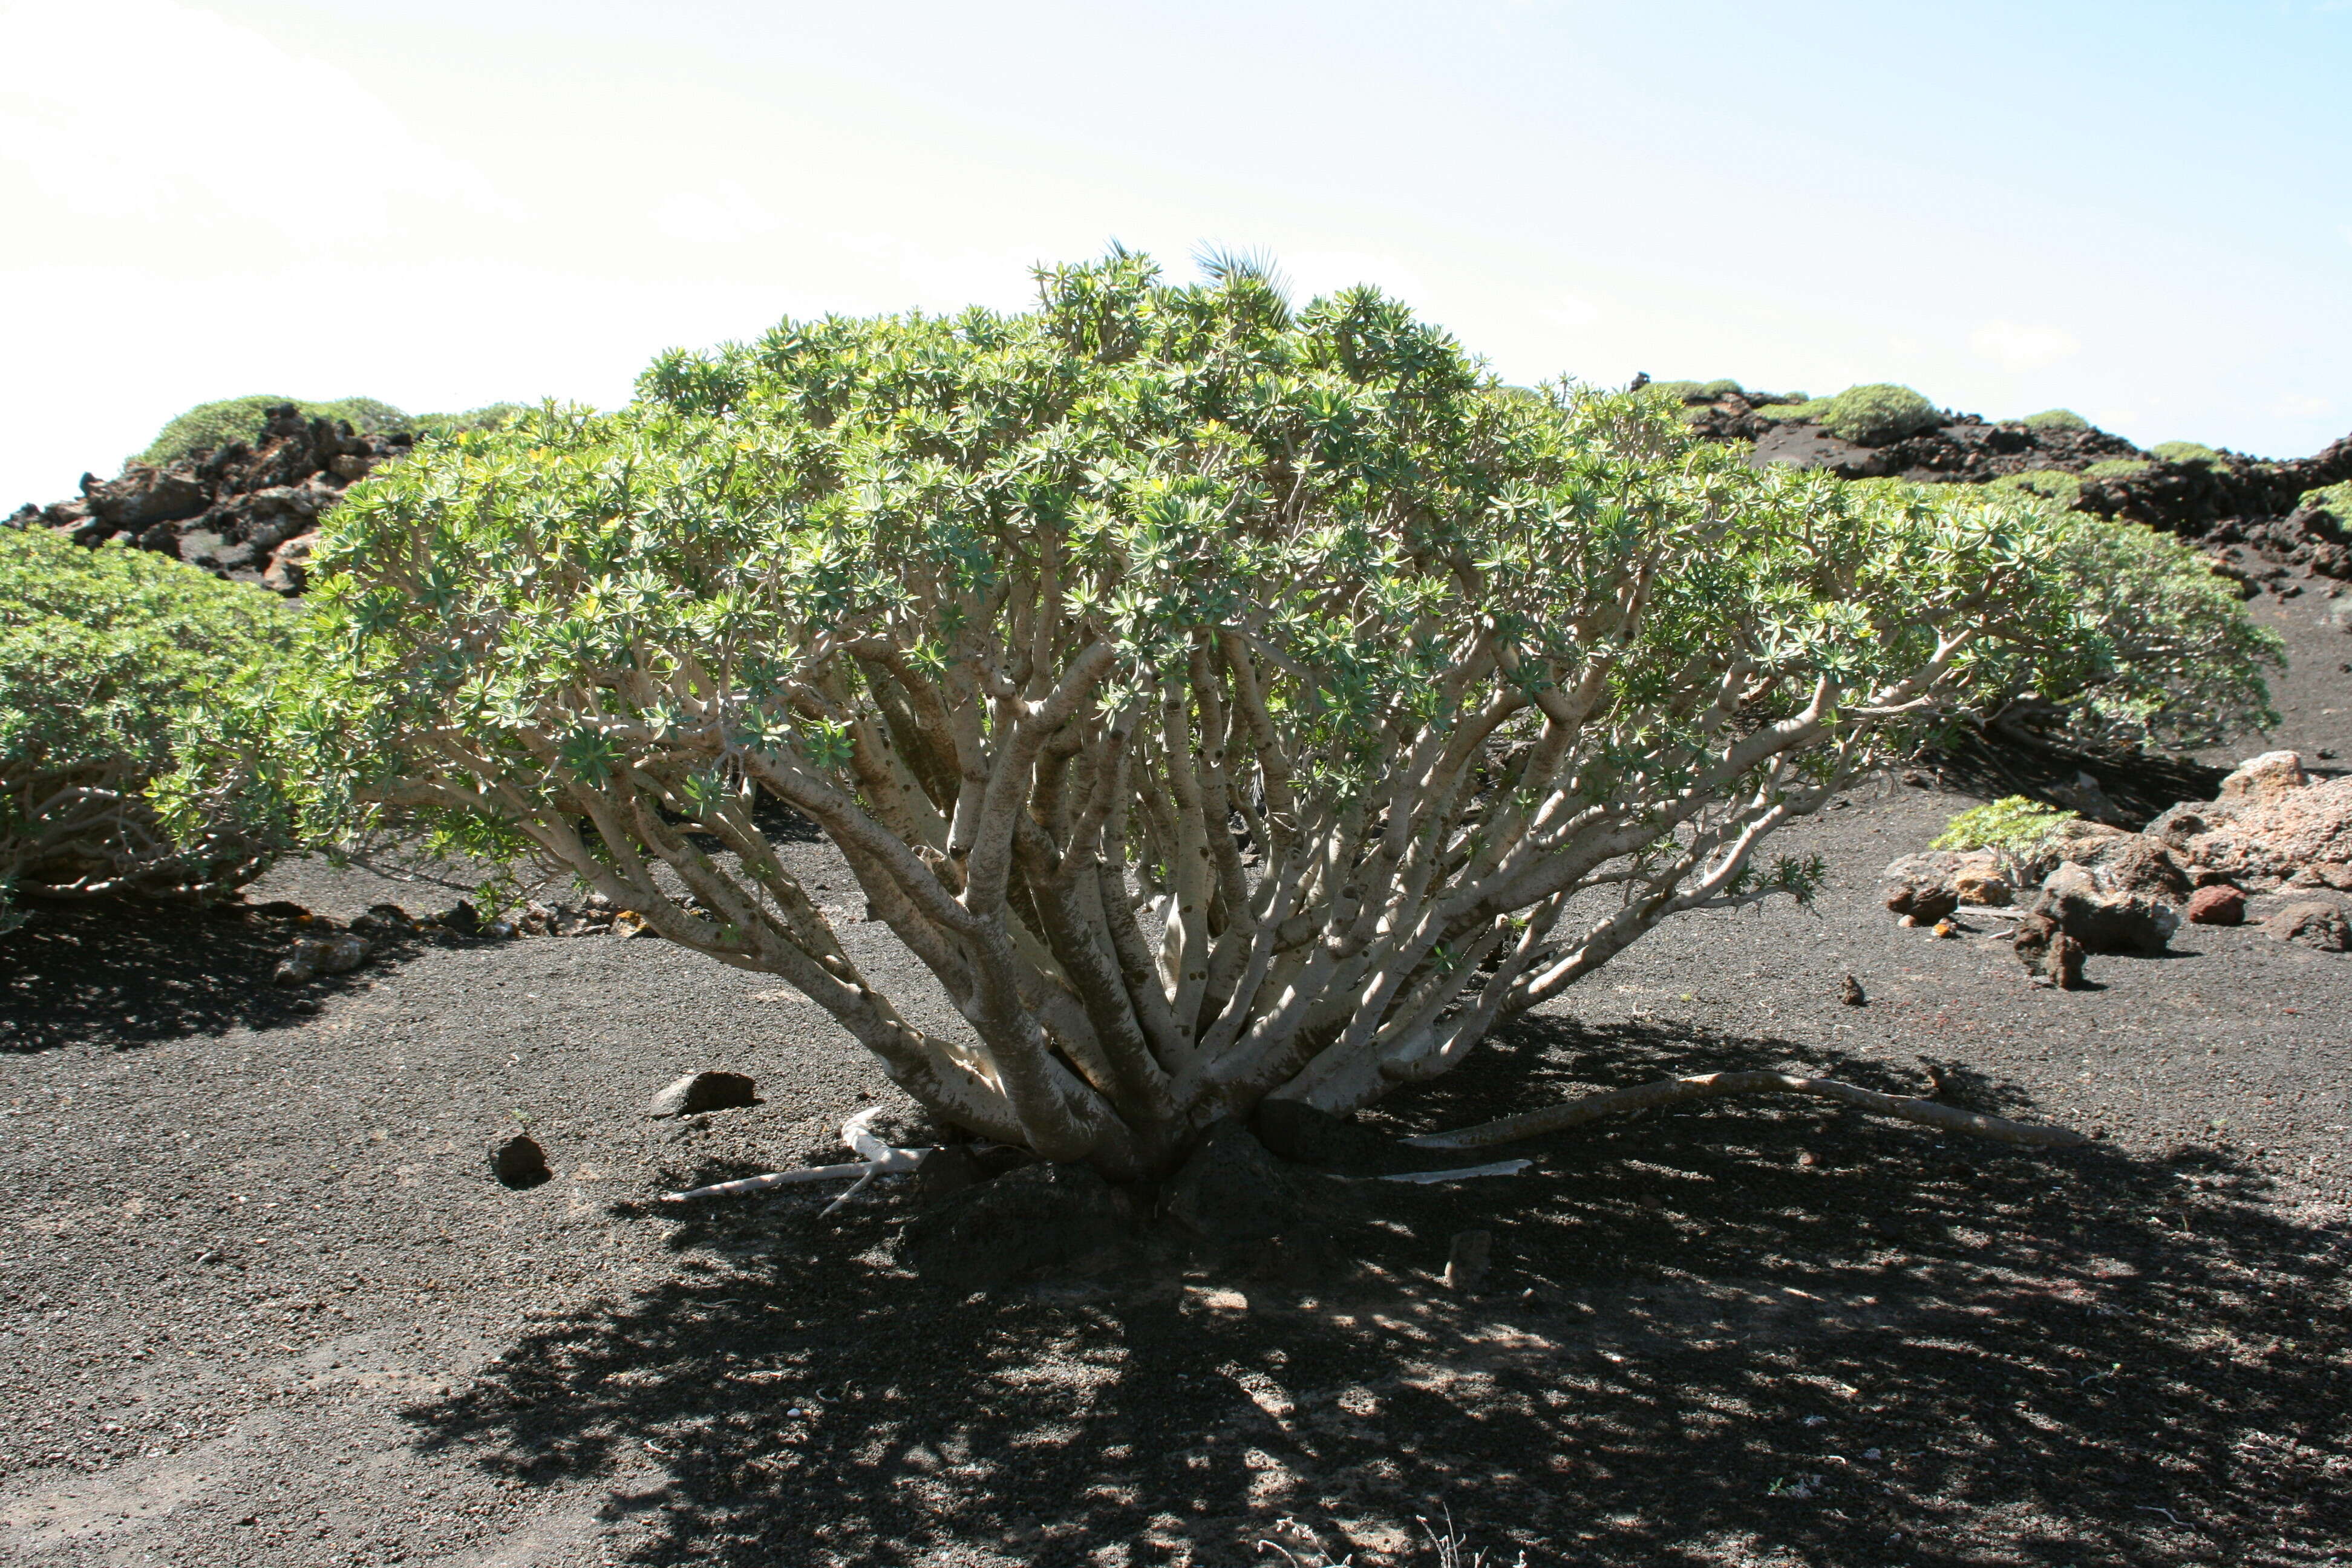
1039,1216
2217,905
2315,923
1923,902
704,1091
248,512
2104,922
2049,954
521,1162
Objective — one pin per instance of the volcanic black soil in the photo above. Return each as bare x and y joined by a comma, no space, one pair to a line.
261,1302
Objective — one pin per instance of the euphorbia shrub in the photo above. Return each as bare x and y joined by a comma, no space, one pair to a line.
119,667
1221,701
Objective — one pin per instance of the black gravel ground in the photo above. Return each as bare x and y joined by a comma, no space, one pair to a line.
260,1301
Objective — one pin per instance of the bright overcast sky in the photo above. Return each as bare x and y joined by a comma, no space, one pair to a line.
2140,210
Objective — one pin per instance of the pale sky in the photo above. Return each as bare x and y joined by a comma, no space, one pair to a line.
2139,210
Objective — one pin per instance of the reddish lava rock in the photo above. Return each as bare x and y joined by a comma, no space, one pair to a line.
2217,906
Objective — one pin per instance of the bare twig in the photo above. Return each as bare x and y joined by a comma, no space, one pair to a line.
880,1160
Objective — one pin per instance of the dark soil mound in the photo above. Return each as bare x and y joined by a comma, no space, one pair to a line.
245,513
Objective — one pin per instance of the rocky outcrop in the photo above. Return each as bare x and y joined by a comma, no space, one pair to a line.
2272,826
246,511
1965,448
2248,510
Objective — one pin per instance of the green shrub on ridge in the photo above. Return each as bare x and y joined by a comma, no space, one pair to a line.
2185,452
2335,500
213,425
1875,415
2055,419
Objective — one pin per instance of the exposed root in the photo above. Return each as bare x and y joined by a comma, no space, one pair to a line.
1715,1084
876,1159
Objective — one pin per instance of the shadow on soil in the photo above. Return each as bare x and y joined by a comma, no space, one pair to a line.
1746,1331
127,972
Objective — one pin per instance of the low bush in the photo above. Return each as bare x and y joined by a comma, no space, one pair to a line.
1799,409
2017,826
212,424
2055,484
2117,468
2055,419
1221,699
2335,500
2163,655
2185,452
1878,413
118,666
491,417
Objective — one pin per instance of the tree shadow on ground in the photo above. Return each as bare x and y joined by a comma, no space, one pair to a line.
2140,784
1743,1331
128,973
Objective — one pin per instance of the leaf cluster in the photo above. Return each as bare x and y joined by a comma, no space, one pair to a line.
116,667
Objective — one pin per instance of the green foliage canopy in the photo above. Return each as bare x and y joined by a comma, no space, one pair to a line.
116,667
1028,611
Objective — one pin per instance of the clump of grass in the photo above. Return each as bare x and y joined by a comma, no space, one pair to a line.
2117,468
2055,419
2185,452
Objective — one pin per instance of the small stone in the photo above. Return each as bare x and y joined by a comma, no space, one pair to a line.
1466,1258
295,971
1853,994
2217,905
2315,923
344,952
2050,957
519,1162
306,1006
701,1091
2272,773
1923,904
1947,929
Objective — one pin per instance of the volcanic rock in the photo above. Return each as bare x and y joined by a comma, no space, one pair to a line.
2315,923
2217,905
2102,920
702,1091
1233,1191
2267,831
246,511
519,1162
2049,954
